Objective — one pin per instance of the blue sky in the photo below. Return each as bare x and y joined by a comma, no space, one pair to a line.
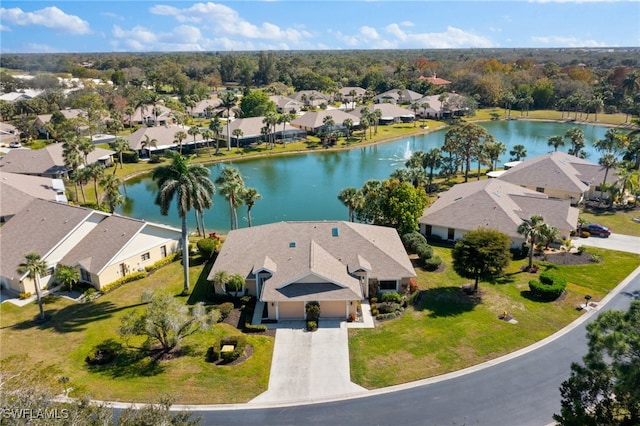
153,25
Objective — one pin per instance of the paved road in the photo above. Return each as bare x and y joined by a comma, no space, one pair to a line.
519,389
614,242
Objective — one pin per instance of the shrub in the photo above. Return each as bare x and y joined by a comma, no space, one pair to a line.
596,258
313,311
424,251
120,281
387,316
155,159
160,263
374,311
584,234
213,353
104,353
388,307
239,343
550,286
433,263
225,309
374,300
411,240
23,296
250,328
391,296
130,157
312,325
208,246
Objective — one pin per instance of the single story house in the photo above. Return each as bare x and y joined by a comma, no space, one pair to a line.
22,95
560,175
440,106
494,204
288,264
148,117
103,247
435,80
16,191
310,98
47,161
164,137
285,105
205,108
398,96
8,134
43,120
313,122
390,113
253,129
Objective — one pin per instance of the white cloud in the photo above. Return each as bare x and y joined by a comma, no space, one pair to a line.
557,41
369,33
49,17
4,28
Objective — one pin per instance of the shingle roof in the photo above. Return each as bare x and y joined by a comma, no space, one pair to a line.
164,135
313,120
496,204
38,228
16,191
103,242
346,91
388,111
46,161
310,250
556,170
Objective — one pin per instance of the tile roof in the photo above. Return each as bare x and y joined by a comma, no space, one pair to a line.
496,204
307,251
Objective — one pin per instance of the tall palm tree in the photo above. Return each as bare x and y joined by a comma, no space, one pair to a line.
178,138
494,150
33,267
120,146
238,133
207,135
352,199
231,185
111,187
415,107
608,161
555,142
270,120
148,143
518,152
190,185
249,197
348,124
95,171
432,160
576,136
284,119
531,228
72,160
194,131
228,101
548,234
216,127
85,146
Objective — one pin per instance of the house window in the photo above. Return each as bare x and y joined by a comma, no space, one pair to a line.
388,285
85,275
163,251
540,189
428,230
145,256
451,233
49,271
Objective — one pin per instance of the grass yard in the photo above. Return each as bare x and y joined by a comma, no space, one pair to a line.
618,220
74,329
448,330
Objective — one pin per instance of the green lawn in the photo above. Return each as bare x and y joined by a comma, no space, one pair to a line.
74,329
618,220
448,330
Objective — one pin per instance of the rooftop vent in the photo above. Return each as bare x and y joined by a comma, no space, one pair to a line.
292,244
335,232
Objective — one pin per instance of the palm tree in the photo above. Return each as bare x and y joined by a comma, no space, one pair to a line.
148,143
190,185
67,276
228,101
216,126
270,120
415,107
576,136
348,124
352,199
432,160
120,145
95,171
518,152
111,187
207,135
231,186
284,119
494,150
72,160
608,161
548,234
85,146
555,142
194,131
249,197
238,133
178,138
33,267
531,229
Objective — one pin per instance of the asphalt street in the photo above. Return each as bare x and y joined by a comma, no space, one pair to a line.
518,389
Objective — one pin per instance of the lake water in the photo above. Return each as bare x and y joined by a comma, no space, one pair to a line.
305,186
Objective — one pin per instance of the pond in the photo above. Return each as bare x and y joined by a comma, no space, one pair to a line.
305,186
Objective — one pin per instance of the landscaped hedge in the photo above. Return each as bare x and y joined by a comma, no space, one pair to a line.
411,240
432,263
549,288
160,263
126,279
391,296
239,343
208,246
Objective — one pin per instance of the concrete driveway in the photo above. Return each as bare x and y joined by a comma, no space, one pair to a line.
307,366
619,242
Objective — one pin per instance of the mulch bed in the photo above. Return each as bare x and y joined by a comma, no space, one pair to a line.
236,319
248,351
567,258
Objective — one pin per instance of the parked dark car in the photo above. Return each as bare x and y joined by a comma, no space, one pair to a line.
597,229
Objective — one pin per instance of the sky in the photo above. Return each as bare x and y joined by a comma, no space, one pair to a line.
161,26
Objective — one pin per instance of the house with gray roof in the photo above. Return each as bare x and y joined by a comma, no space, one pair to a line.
560,175
147,116
310,97
389,113
205,108
42,120
16,191
439,106
47,161
398,96
164,137
288,264
286,105
494,204
103,247
8,134
252,131
313,121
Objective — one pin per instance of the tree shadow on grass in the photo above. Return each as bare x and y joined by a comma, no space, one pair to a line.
203,288
128,363
446,301
75,317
